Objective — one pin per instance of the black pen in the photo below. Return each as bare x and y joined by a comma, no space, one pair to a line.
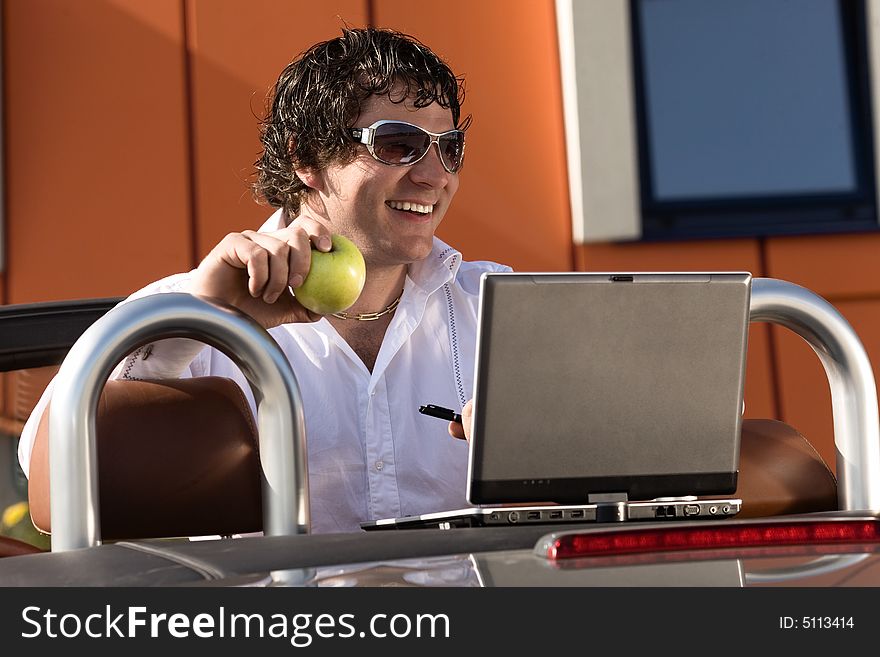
442,413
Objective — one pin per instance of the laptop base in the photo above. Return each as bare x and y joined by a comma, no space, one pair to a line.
680,508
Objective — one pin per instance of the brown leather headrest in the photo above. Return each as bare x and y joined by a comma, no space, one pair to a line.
780,472
175,458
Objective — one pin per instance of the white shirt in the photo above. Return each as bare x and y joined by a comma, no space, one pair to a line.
371,454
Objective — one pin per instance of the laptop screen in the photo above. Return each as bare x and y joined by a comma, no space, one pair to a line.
608,383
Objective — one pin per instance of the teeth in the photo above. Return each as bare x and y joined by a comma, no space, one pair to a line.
414,207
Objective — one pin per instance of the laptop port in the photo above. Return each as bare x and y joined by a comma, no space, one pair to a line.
670,512
555,515
725,508
579,513
713,510
534,515
660,512
692,510
513,517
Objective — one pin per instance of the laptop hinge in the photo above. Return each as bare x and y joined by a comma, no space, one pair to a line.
610,507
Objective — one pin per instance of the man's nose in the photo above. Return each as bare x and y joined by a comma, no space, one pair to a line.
429,170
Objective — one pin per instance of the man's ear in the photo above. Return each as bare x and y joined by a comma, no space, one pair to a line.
309,177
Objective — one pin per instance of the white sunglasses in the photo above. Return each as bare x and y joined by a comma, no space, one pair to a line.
402,144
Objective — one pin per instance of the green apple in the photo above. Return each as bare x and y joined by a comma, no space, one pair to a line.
335,278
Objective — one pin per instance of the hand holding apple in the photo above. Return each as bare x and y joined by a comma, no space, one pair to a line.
335,278
255,272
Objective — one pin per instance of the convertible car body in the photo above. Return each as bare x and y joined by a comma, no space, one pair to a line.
799,526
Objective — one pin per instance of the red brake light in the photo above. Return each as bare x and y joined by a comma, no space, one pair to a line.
660,539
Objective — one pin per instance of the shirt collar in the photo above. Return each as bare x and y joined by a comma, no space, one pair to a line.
438,268
277,221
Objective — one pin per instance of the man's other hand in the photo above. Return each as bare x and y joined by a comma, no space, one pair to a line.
464,428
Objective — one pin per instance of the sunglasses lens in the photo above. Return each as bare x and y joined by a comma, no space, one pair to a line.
452,147
397,143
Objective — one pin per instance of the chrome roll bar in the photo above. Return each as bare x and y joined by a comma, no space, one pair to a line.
73,472
853,389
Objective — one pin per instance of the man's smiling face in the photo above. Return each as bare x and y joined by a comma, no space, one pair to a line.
365,199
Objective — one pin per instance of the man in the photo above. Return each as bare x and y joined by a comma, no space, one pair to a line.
364,138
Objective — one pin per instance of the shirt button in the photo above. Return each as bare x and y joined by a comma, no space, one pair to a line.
379,465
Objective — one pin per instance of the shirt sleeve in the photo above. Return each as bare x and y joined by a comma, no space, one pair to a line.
164,359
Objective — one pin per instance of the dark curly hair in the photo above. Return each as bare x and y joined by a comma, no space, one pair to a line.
319,95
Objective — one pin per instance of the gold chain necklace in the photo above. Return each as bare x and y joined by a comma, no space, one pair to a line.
369,317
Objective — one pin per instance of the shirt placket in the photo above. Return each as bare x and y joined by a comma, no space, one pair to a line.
381,466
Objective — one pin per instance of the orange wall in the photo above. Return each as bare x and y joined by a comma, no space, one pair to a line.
131,128
97,191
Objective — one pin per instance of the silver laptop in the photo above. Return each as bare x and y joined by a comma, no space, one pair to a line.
610,396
